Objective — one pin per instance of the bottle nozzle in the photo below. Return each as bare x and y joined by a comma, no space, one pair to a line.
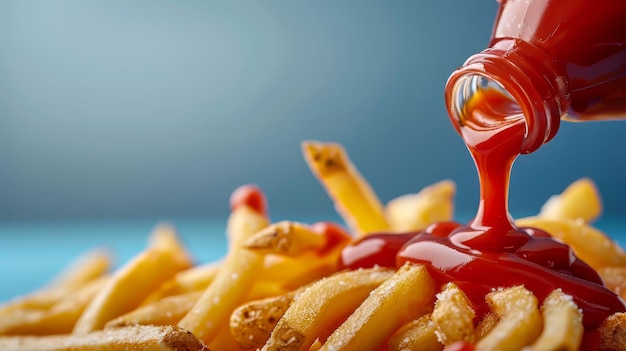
483,103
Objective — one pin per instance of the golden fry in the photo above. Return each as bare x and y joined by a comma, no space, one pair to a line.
167,311
82,270
579,201
132,283
483,328
252,323
291,273
144,338
14,319
58,319
404,296
164,237
171,309
85,268
590,244
196,278
354,198
228,290
453,302
234,280
286,238
615,279
520,322
417,335
613,333
225,341
413,212
322,306
317,345
562,324
262,289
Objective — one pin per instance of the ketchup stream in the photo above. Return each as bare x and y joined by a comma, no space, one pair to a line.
490,252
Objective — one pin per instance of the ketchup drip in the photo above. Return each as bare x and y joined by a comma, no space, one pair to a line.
490,252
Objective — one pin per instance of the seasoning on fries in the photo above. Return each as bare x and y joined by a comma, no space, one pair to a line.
283,286
355,200
138,337
322,307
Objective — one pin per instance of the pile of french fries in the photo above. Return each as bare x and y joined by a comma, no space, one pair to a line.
279,286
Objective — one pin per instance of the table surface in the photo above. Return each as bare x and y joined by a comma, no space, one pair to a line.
31,253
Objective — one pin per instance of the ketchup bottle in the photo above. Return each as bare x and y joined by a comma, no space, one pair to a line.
551,60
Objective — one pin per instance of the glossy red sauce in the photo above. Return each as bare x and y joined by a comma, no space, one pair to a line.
336,236
378,249
490,252
249,195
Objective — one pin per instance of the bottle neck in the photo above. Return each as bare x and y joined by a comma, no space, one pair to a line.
508,86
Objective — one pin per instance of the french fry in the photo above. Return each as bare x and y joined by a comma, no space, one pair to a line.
131,284
12,320
590,244
225,341
293,272
615,279
483,328
58,319
613,333
286,238
30,307
404,296
196,278
415,212
417,335
171,309
579,201
263,288
235,278
520,322
164,237
252,323
568,216
354,198
317,345
451,301
323,306
562,324
144,338
83,269
167,311
228,290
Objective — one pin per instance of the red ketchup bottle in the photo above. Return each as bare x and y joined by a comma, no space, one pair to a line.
553,59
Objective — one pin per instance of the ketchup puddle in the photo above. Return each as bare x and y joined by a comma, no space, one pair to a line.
490,252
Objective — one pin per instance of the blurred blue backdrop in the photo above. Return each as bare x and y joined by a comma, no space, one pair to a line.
145,109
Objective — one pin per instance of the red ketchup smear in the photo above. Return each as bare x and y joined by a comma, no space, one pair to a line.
379,249
336,236
490,252
249,195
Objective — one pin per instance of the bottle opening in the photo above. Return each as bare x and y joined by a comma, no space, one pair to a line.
482,103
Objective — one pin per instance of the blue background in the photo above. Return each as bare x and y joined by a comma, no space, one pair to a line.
116,114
